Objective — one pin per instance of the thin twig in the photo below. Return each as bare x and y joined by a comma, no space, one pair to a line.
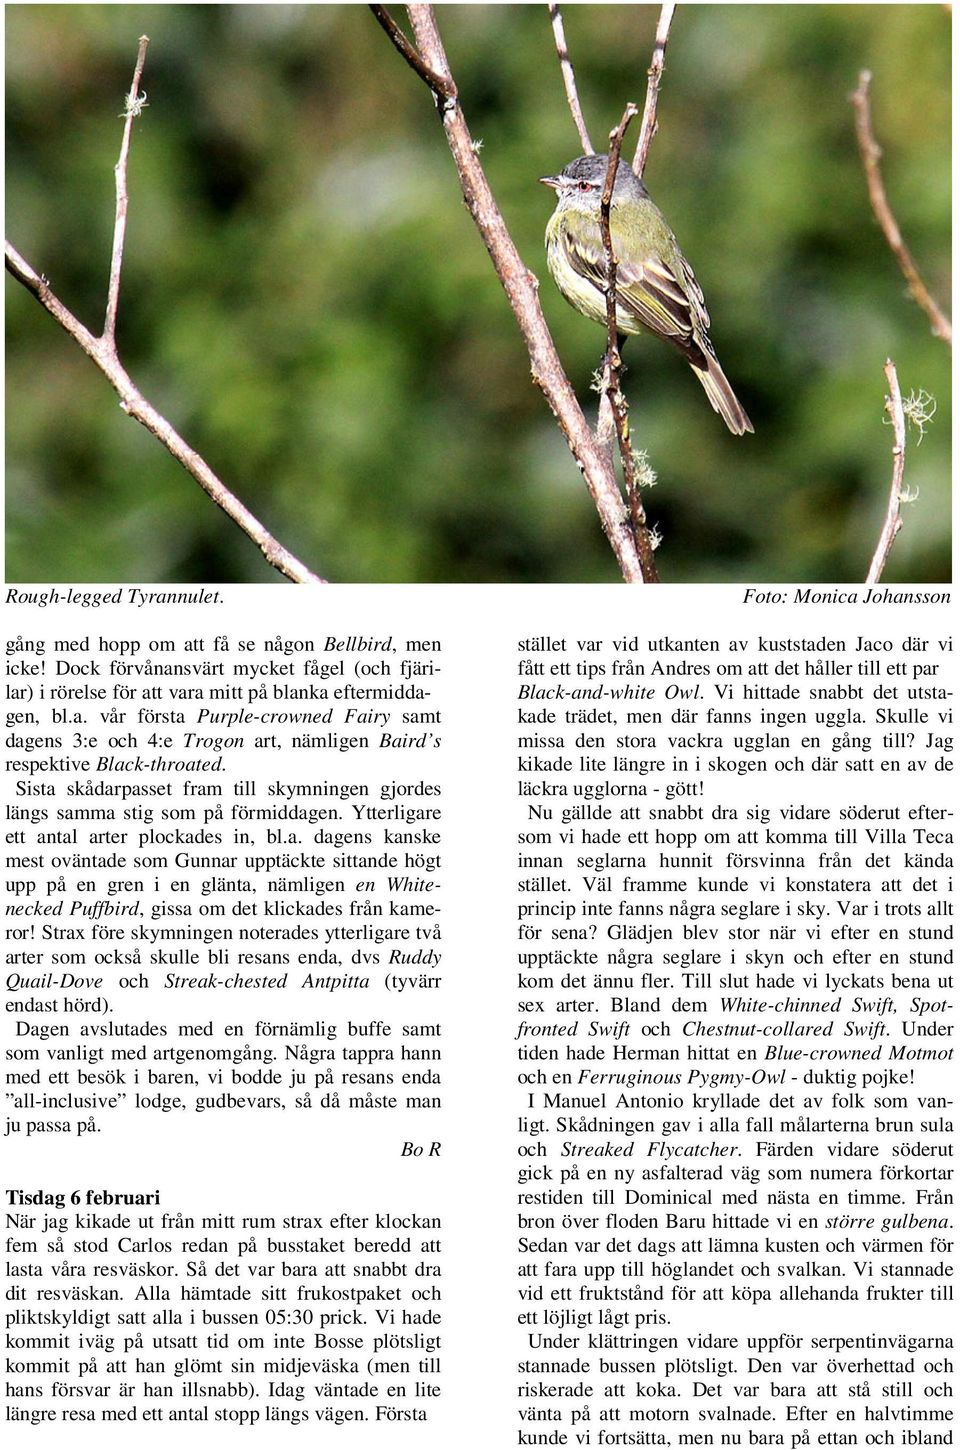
569,80
870,154
608,421
103,351
648,126
613,363
893,523
132,108
521,286
606,198
441,85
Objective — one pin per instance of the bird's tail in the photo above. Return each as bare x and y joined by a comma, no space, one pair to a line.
722,397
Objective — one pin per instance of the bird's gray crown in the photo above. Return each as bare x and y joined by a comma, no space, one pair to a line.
593,170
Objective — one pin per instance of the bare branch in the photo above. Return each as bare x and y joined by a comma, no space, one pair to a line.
606,197
870,154
521,286
19,268
569,80
893,522
612,362
133,106
648,126
442,86
103,351
132,401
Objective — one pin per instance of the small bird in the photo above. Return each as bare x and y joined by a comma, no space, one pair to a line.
656,288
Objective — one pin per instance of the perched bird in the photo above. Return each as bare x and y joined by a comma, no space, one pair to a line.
656,288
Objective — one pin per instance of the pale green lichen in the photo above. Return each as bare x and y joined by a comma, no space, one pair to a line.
918,410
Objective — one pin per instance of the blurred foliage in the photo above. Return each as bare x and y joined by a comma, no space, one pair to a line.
306,298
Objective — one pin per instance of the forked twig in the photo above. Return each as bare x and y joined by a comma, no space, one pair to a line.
441,85
103,351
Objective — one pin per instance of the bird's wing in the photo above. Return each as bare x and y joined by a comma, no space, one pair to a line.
664,296
695,293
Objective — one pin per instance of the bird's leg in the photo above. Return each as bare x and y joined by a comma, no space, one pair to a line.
608,362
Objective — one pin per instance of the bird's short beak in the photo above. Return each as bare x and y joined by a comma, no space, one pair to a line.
553,181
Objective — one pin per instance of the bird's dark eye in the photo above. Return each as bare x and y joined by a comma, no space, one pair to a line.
584,186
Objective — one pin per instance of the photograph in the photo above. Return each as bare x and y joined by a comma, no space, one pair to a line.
478,294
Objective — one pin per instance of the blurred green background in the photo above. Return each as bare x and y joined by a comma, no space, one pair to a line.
306,298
